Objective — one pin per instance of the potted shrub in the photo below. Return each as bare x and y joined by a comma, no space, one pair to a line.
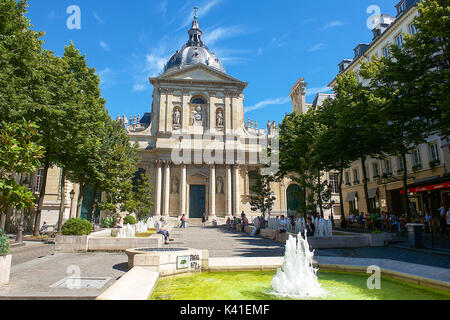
129,220
76,227
5,259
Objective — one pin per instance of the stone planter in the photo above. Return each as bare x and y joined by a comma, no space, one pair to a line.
71,244
5,269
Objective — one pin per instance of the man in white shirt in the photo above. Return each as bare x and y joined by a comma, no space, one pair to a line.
160,230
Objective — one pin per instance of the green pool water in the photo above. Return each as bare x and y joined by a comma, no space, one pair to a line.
256,286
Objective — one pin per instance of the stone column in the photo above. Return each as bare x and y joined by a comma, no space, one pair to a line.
158,188
183,190
229,196
212,191
236,190
166,189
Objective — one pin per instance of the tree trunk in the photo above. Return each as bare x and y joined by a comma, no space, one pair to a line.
366,191
341,196
2,220
63,200
320,194
405,187
37,221
80,199
94,206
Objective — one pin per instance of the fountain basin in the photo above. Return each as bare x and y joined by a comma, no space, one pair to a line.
257,286
168,261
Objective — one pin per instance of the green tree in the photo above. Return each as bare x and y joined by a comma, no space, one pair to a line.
262,198
87,117
334,149
361,117
142,195
408,119
299,138
430,52
19,154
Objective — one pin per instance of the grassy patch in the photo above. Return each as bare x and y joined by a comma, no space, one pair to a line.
146,234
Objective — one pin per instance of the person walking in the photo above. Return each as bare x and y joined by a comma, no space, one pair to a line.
443,221
183,222
204,219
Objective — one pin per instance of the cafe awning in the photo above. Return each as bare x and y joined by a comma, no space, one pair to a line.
351,196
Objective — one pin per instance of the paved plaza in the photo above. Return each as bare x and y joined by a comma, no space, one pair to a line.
36,267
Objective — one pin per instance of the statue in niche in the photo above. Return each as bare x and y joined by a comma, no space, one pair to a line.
176,117
175,185
220,118
219,188
197,116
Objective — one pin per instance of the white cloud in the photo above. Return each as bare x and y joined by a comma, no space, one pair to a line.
283,101
314,91
104,45
332,24
217,34
97,17
317,47
106,77
279,41
155,63
163,7
139,87
268,102
203,10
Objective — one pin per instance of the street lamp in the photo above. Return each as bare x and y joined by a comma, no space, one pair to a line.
72,195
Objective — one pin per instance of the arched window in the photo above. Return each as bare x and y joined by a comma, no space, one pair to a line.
198,100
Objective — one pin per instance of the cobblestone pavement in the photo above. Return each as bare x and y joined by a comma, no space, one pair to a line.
31,251
36,267
34,278
224,242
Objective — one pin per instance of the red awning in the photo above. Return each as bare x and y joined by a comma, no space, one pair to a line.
428,188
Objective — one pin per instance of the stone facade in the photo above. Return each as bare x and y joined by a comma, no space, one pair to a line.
197,145
427,165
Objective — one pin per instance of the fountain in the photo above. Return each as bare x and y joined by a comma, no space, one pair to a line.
141,227
128,231
151,223
297,278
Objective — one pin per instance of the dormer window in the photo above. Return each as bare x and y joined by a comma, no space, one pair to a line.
401,7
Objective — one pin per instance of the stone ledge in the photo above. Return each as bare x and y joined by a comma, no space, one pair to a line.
137,284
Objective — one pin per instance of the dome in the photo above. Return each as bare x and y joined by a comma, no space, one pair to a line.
194,52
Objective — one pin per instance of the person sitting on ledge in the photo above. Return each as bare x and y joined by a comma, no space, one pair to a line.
310,228
162,231
44,229
282,227
244,222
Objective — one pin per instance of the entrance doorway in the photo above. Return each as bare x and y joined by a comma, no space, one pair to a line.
295,199
197,201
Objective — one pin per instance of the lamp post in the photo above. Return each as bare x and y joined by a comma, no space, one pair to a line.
72,195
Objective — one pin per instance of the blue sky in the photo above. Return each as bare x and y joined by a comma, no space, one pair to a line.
269,44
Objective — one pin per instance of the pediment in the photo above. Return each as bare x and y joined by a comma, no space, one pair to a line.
198,72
